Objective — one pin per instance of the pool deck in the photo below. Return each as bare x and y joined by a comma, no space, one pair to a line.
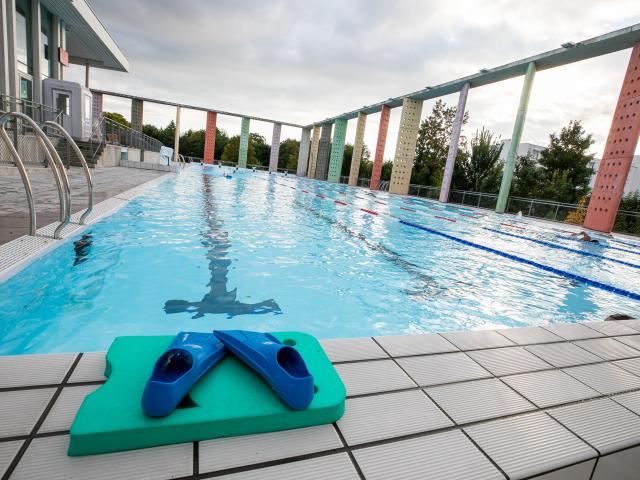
553,402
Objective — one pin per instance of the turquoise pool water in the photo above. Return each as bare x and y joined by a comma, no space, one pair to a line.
268,252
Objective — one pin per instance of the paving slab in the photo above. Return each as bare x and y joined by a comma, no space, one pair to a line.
468,402
64,409
508,360
442,368
572,331
47,459
604,424
90,368
549,387
529,445
610,328
403,345
631,340
21,409
29,370
476,339
630,365
335,467
379,417
225,453
8,452
352,349
444,455
563,354
529,335
606,378
371,377
608,348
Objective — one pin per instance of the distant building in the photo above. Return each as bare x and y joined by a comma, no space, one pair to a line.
633,179
531,149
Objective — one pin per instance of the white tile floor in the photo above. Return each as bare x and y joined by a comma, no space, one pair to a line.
548,408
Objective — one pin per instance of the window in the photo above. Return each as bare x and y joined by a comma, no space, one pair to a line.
45,41
23,36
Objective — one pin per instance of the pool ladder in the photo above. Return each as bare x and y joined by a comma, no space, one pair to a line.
56,165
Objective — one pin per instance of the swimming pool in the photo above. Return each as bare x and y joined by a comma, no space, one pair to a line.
265,252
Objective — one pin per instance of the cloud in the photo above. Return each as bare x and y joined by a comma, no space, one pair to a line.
303,61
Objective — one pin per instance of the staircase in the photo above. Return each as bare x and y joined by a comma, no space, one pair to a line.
85,148
69,157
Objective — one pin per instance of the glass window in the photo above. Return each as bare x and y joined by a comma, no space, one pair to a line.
45,41
23,36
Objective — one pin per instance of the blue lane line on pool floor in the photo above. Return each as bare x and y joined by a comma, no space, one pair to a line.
546,268
561,247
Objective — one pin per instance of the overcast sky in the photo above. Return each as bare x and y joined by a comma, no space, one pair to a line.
302,61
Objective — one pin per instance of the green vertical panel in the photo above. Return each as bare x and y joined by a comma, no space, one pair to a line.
244,143
507,174
337,151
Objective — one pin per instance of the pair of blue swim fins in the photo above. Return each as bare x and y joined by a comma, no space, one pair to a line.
190,355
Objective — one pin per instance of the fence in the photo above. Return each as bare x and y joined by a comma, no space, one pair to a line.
626,221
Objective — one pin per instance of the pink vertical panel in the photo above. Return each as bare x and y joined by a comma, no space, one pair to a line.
618,154
378,159
210,138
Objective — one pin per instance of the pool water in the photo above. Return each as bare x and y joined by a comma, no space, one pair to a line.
267,252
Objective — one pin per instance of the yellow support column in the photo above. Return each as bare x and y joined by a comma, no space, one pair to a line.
406,146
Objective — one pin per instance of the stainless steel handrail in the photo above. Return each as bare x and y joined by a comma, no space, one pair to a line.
25,178
83,161
57,168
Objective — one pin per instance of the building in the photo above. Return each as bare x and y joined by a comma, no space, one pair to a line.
524,149
40,38
633,178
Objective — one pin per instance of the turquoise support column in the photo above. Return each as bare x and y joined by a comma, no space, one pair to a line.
337,151
244,143
507,174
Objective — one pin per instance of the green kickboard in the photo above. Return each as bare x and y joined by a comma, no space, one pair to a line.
230,400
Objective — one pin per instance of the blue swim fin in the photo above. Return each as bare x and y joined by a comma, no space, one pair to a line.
189,356
280,365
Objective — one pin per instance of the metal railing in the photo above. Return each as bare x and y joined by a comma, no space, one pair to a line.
54,162
362,181
626,221
107,131
74,146
118,134
36,111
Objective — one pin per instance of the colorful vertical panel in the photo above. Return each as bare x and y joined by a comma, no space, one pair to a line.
378,158
337,151
406,146
618,154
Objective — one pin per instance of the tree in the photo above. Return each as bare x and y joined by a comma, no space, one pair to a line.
288,154
261,147
629,223
482,167
221,141
192,143
526,177
565,164
433,144
232,148
116,117
348,156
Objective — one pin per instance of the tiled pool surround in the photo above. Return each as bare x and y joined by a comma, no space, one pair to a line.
542,402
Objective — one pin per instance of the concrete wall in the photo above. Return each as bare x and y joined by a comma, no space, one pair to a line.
110,156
